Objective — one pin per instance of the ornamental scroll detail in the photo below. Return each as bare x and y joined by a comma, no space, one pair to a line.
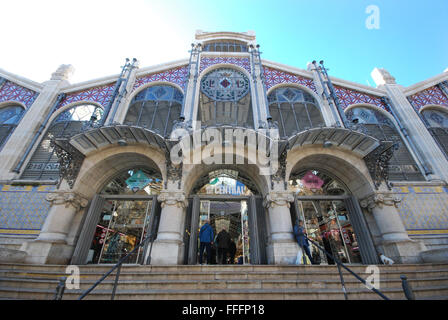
377,162
70,160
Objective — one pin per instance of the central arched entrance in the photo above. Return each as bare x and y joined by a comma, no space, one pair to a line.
230,201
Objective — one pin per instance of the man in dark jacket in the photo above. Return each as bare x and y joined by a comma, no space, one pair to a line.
206,240
299,233
223,240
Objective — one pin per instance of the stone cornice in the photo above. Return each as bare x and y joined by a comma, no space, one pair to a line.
278,198
172,198
425,84
24,82
67,199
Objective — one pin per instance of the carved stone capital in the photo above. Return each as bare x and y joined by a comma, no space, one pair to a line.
278,198
67,199
172,198
380,199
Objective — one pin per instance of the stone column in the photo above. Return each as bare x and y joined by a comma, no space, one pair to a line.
329,114
282,248
33,119
168,248
419,135
395,241
51,245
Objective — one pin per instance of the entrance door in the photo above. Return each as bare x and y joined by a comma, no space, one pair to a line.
337,226
238,215
114,226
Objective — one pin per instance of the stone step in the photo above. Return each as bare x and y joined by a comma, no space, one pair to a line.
219,284
214,268
226,275
225,294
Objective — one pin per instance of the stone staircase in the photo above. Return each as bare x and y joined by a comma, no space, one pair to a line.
231,282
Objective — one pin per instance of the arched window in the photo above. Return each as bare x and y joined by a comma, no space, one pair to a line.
402,165
9,119
294,110
44,162
225,99
155,108
437,122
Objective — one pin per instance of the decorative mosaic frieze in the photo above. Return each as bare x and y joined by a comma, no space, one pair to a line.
101,95
209,61
432,95
273,77
11,91
23,209
423,210
176,75
348,97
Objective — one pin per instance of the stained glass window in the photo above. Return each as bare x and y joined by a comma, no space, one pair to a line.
155,108
294,110
225,99
9,118
225,46
437,122
44,163
402,166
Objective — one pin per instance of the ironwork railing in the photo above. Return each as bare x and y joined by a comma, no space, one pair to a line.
339,265
117,265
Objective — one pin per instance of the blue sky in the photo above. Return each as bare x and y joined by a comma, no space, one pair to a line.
96,36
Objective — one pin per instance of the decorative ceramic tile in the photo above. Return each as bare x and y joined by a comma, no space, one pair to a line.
209,61
348,97
23,209
10,91
274,77
432,95
101,95
176,75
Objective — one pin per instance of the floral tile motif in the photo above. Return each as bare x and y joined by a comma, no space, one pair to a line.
176,75
348,97
273,77
101,95
432,95
11,91
209,61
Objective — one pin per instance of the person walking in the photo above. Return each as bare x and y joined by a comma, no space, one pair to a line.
206,240
223,241
299,233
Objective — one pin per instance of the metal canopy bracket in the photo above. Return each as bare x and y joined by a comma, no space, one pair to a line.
377,162
70,160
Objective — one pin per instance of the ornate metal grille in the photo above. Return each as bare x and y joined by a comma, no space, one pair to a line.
402,165
44,164
9,118
225,99
437,122
294,111
155,108
225,46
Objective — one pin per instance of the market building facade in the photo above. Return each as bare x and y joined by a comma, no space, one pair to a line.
89,171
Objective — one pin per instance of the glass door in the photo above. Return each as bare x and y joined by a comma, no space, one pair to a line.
327,223
122,226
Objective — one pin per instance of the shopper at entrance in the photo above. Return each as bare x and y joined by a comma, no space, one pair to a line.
299,233
223,240
206,240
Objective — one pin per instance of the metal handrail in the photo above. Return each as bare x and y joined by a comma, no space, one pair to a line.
117,265
340,264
